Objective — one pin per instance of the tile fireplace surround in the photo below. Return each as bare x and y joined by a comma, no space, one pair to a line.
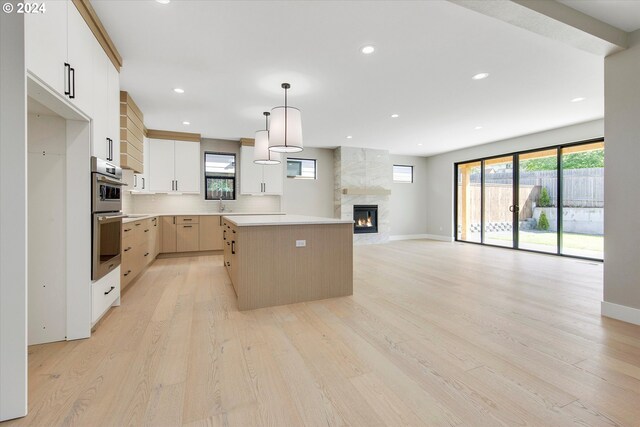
366,175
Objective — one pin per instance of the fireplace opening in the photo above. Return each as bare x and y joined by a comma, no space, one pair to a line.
365,219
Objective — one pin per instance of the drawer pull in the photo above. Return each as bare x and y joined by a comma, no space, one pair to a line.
128,249
146,254
137,225
109,291
224,234
127,273
187,226
187,219
146,231
126,230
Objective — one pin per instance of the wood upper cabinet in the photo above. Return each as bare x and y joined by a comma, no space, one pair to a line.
174,166
168,234
211,233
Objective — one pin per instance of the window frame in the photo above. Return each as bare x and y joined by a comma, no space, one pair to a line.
234,178
315,168
403,182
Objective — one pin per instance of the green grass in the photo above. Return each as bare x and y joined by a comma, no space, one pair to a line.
587,242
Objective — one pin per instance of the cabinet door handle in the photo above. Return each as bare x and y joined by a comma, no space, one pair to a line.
135,180
72,80
233,246
109,291
111,149
174,219
176,185
224,234
143,185
67,77
108,149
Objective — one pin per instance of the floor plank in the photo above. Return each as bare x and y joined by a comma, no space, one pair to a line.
435,334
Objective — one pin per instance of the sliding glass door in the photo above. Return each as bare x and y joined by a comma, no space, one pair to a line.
549,200
538,200
498,201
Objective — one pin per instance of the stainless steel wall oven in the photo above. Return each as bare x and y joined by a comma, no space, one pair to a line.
106,209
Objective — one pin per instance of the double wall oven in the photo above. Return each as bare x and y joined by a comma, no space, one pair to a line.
106,209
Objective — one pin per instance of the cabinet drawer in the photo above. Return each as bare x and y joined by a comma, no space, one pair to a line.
188,219
127,234
104,293
188,238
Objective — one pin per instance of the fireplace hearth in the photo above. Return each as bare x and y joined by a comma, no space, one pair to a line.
365,219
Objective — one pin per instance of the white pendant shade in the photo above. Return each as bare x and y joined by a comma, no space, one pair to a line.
292,141
261,153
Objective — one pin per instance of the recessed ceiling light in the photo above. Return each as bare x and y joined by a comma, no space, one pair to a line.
186,123
478,127
480,76
349,137
420,145
178,90
579,99
164,1
368,50
395,116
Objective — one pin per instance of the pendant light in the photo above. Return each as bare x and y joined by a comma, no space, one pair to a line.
285,134
261,153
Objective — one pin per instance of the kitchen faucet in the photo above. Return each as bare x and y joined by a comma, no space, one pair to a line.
221,206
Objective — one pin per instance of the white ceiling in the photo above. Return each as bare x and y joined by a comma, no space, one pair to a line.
231,56
623,14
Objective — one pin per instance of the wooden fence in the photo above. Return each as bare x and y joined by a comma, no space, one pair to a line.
582,188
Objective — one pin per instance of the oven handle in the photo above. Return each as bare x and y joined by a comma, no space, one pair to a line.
107,217
111,181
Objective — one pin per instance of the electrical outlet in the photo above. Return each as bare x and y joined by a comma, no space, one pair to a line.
301,243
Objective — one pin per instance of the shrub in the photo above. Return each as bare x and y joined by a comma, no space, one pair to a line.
544,200
543,222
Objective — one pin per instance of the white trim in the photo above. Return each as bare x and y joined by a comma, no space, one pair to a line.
421,236
620,312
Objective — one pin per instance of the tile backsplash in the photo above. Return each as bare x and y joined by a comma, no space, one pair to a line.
195,203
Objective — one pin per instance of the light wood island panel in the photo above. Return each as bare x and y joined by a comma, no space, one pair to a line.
267,269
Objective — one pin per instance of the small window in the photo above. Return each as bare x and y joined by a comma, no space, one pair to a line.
301,168
402,173
219,176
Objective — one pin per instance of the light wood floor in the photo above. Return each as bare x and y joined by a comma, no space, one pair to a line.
435,334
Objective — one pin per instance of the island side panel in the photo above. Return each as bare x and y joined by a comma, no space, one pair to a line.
273,271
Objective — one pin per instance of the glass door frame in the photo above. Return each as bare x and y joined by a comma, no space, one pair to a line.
516,195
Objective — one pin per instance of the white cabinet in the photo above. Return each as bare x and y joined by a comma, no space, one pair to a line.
106,107
174,166
187,166
113,110
141,180
80,41
259,179
46,44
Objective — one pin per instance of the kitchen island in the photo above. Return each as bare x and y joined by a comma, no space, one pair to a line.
283,259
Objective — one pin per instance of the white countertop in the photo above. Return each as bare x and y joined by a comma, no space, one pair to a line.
257,220
139,217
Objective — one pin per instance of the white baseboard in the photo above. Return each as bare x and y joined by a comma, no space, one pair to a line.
620,312
421,236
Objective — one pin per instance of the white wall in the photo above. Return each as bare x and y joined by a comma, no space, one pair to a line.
308,196
409,201
440,167
195,203
621,221
13,218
